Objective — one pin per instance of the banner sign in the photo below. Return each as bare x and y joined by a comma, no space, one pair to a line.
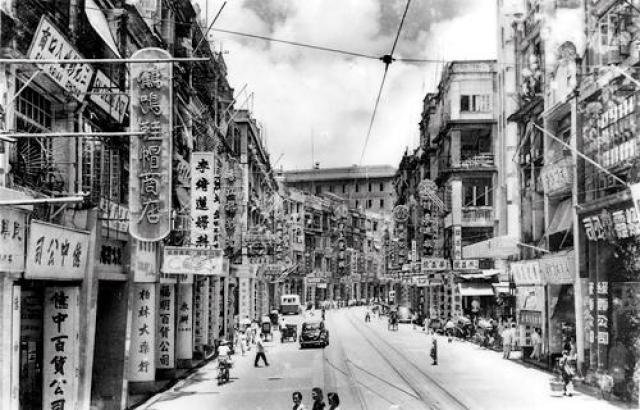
150,161
50,44
114,215
182,260
457,242
56,252
144,261
142,356
184,322
526,272
622,224
466,264
106,95
635,197
244,305
165,350
201,314
435,264
12,238
60,350
205,201
558,270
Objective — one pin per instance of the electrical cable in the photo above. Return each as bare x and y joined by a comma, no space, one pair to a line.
204,35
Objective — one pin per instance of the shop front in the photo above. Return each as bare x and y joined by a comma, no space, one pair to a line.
613,265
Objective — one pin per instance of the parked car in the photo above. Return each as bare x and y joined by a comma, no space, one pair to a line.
404,314
314,334
436,325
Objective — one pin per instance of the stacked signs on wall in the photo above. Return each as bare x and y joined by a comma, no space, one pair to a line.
150,162
341,213
401,217
204,201
165,357
201,313
431,207
60,366
142,360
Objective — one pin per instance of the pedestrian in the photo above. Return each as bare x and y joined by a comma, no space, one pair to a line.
425,324
297,401
260,352
242,340
536,341
434,351
506,342
414,319
567,372
318,400
367,317
334,401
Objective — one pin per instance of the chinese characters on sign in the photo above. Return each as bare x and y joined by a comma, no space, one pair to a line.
434,264
12,239
201,313
56,252
107,95
50,44
60,372
457,242
205,200
165,348
526,273
150,161
144,261
244,305
142,356
184,322
180,260
624,225
466,264
602,323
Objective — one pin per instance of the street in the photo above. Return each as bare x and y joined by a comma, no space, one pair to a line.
372,368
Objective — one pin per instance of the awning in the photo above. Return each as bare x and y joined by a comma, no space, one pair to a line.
484,274
562,219
475,289
100,24
500,247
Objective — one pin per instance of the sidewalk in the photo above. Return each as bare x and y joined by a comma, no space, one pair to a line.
482,375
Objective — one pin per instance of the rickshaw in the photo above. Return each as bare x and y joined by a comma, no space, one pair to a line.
392,324
265,328
289,332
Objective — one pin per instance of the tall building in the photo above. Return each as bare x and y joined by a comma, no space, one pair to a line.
365,187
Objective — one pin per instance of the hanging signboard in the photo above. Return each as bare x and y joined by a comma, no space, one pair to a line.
557,177
205,201
421,281
434,264
150,161
165,349
192,260
625,224
526,272
457,242
50,44
244,308
144,261
184,322
558,270
200,314
56,252
106,95
142,358
12,237
114,215
60,350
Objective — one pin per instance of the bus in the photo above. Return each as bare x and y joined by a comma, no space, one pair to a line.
290,304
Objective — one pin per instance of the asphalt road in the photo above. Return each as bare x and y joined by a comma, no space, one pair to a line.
372,368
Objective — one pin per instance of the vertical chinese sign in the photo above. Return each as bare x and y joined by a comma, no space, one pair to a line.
150,161
142,358
245,303
12,230
203,204
201,313
165,350
61,350
184,333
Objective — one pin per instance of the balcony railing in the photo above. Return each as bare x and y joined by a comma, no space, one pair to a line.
477,216
479,160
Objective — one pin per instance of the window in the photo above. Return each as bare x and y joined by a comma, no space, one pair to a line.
369,186
381,186
330,188
318,189
344,188
475,103
357,188
375,226
477,192
357,203
368,203
382,204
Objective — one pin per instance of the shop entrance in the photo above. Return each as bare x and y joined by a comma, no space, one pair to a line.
31,347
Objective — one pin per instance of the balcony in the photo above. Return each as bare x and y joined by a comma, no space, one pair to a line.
477,160
477,216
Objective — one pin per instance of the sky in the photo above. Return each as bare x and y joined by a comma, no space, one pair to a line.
300,95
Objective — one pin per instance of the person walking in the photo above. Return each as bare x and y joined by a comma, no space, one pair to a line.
242,340
334,401
260,352
506,342
434,351
318,400
536,341
567,372
297,401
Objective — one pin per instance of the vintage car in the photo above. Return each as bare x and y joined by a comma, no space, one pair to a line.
313,333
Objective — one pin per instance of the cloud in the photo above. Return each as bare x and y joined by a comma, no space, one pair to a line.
299,91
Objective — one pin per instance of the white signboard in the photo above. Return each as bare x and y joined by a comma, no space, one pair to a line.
200,313
149,11
558,270
114,216
56,252
184,322
526,273
421,281
457,242
165,349
635,196
144,261
142,357
60,350
106,94
12,238
466,264
244,302
192,260
205,201
50,44
434,264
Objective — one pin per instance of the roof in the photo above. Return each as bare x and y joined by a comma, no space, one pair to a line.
327,174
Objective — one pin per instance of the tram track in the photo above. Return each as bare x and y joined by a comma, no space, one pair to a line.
436,398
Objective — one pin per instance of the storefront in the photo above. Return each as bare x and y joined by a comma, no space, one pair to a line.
612,262
545,303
